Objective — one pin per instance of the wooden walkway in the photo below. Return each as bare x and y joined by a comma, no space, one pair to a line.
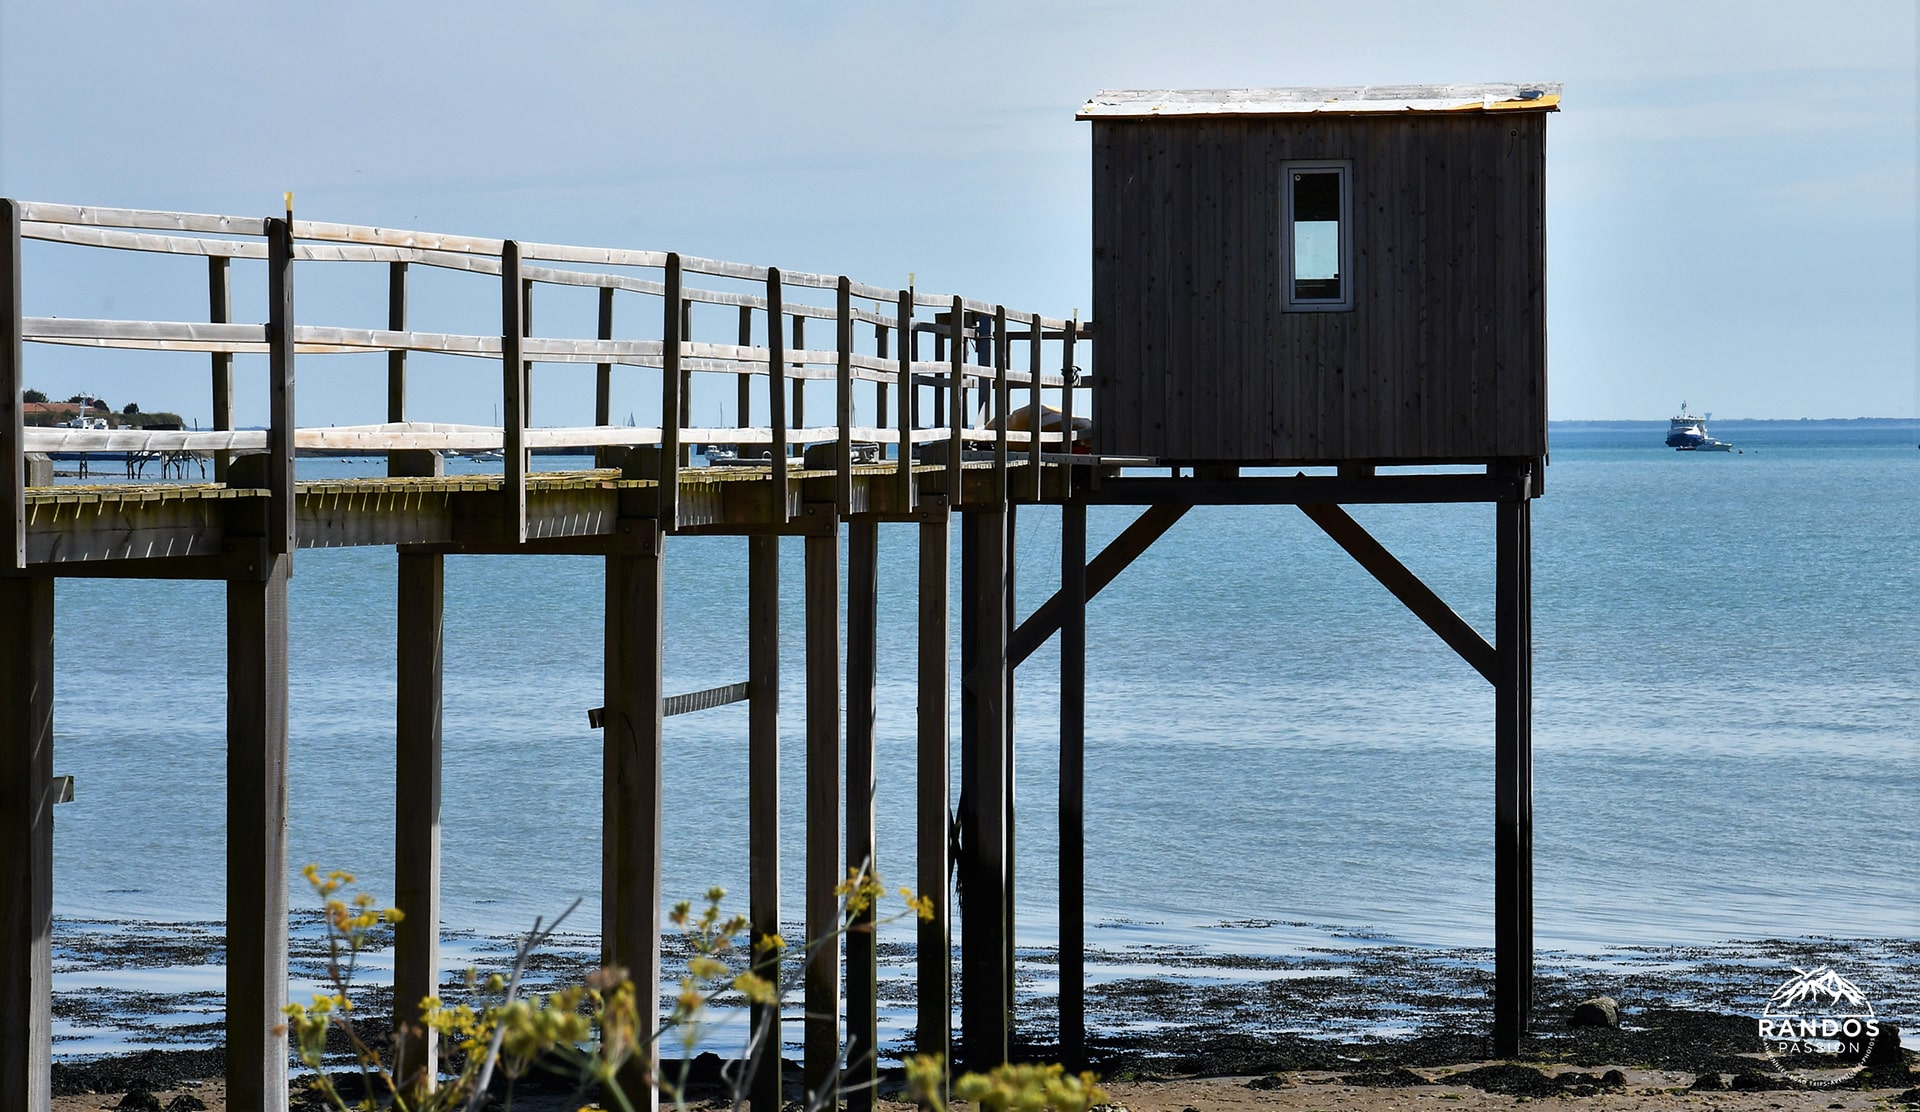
943,385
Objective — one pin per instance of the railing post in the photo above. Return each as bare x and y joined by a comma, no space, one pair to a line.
957,387
220,311
743,383
1002,357
686,380
513,378
904,421
799,413
777,393
671,335
939,420
396,360
13,431
1071,378
880,392
399,463
280,438
526,365
603,372
843,403
1036,413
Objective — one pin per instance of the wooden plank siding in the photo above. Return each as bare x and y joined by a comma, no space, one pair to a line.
1442,357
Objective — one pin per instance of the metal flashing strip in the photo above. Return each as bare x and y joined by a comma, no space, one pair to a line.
1333,100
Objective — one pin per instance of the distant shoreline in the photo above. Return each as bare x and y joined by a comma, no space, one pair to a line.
1796,422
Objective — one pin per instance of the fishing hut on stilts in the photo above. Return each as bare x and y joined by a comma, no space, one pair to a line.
1343,281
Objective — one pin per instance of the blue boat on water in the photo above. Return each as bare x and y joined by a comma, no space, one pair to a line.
1688,433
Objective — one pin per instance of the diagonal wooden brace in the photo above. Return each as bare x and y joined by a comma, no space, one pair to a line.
1406,586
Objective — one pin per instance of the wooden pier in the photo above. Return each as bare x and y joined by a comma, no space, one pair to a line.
947,387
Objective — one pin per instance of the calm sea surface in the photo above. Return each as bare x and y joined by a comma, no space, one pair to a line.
1727,716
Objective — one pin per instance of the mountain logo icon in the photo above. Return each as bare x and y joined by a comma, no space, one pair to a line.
1818,1028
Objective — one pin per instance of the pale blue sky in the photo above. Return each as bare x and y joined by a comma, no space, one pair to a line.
1732,186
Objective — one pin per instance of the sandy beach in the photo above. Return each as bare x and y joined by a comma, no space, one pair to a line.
1643,1091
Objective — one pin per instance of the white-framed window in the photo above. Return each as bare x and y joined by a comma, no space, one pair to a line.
1316,233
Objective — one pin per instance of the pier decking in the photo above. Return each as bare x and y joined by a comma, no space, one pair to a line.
941,383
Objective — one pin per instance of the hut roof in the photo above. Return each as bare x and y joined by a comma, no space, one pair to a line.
1341,100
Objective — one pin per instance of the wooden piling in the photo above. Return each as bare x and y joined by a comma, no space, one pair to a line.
933,834
861,1077
1073,724
824,872
631,801
763,806
257,829
985,1003
1513,775
26,842
416,886
1010,848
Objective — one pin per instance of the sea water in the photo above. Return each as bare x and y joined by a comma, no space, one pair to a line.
1726,711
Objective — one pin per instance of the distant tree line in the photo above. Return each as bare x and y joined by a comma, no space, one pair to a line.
129,417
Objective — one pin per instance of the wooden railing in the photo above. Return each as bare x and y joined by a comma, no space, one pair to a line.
941,409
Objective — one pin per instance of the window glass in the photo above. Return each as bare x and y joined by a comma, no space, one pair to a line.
1316,235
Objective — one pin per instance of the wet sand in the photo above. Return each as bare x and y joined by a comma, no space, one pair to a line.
1360,1026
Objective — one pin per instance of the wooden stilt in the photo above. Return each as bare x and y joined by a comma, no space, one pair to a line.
763,802
257,833
1073,724
26,843
1513,777
1010,855
416,887
822,1065
631,803
934,948
862,1076
984,1001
